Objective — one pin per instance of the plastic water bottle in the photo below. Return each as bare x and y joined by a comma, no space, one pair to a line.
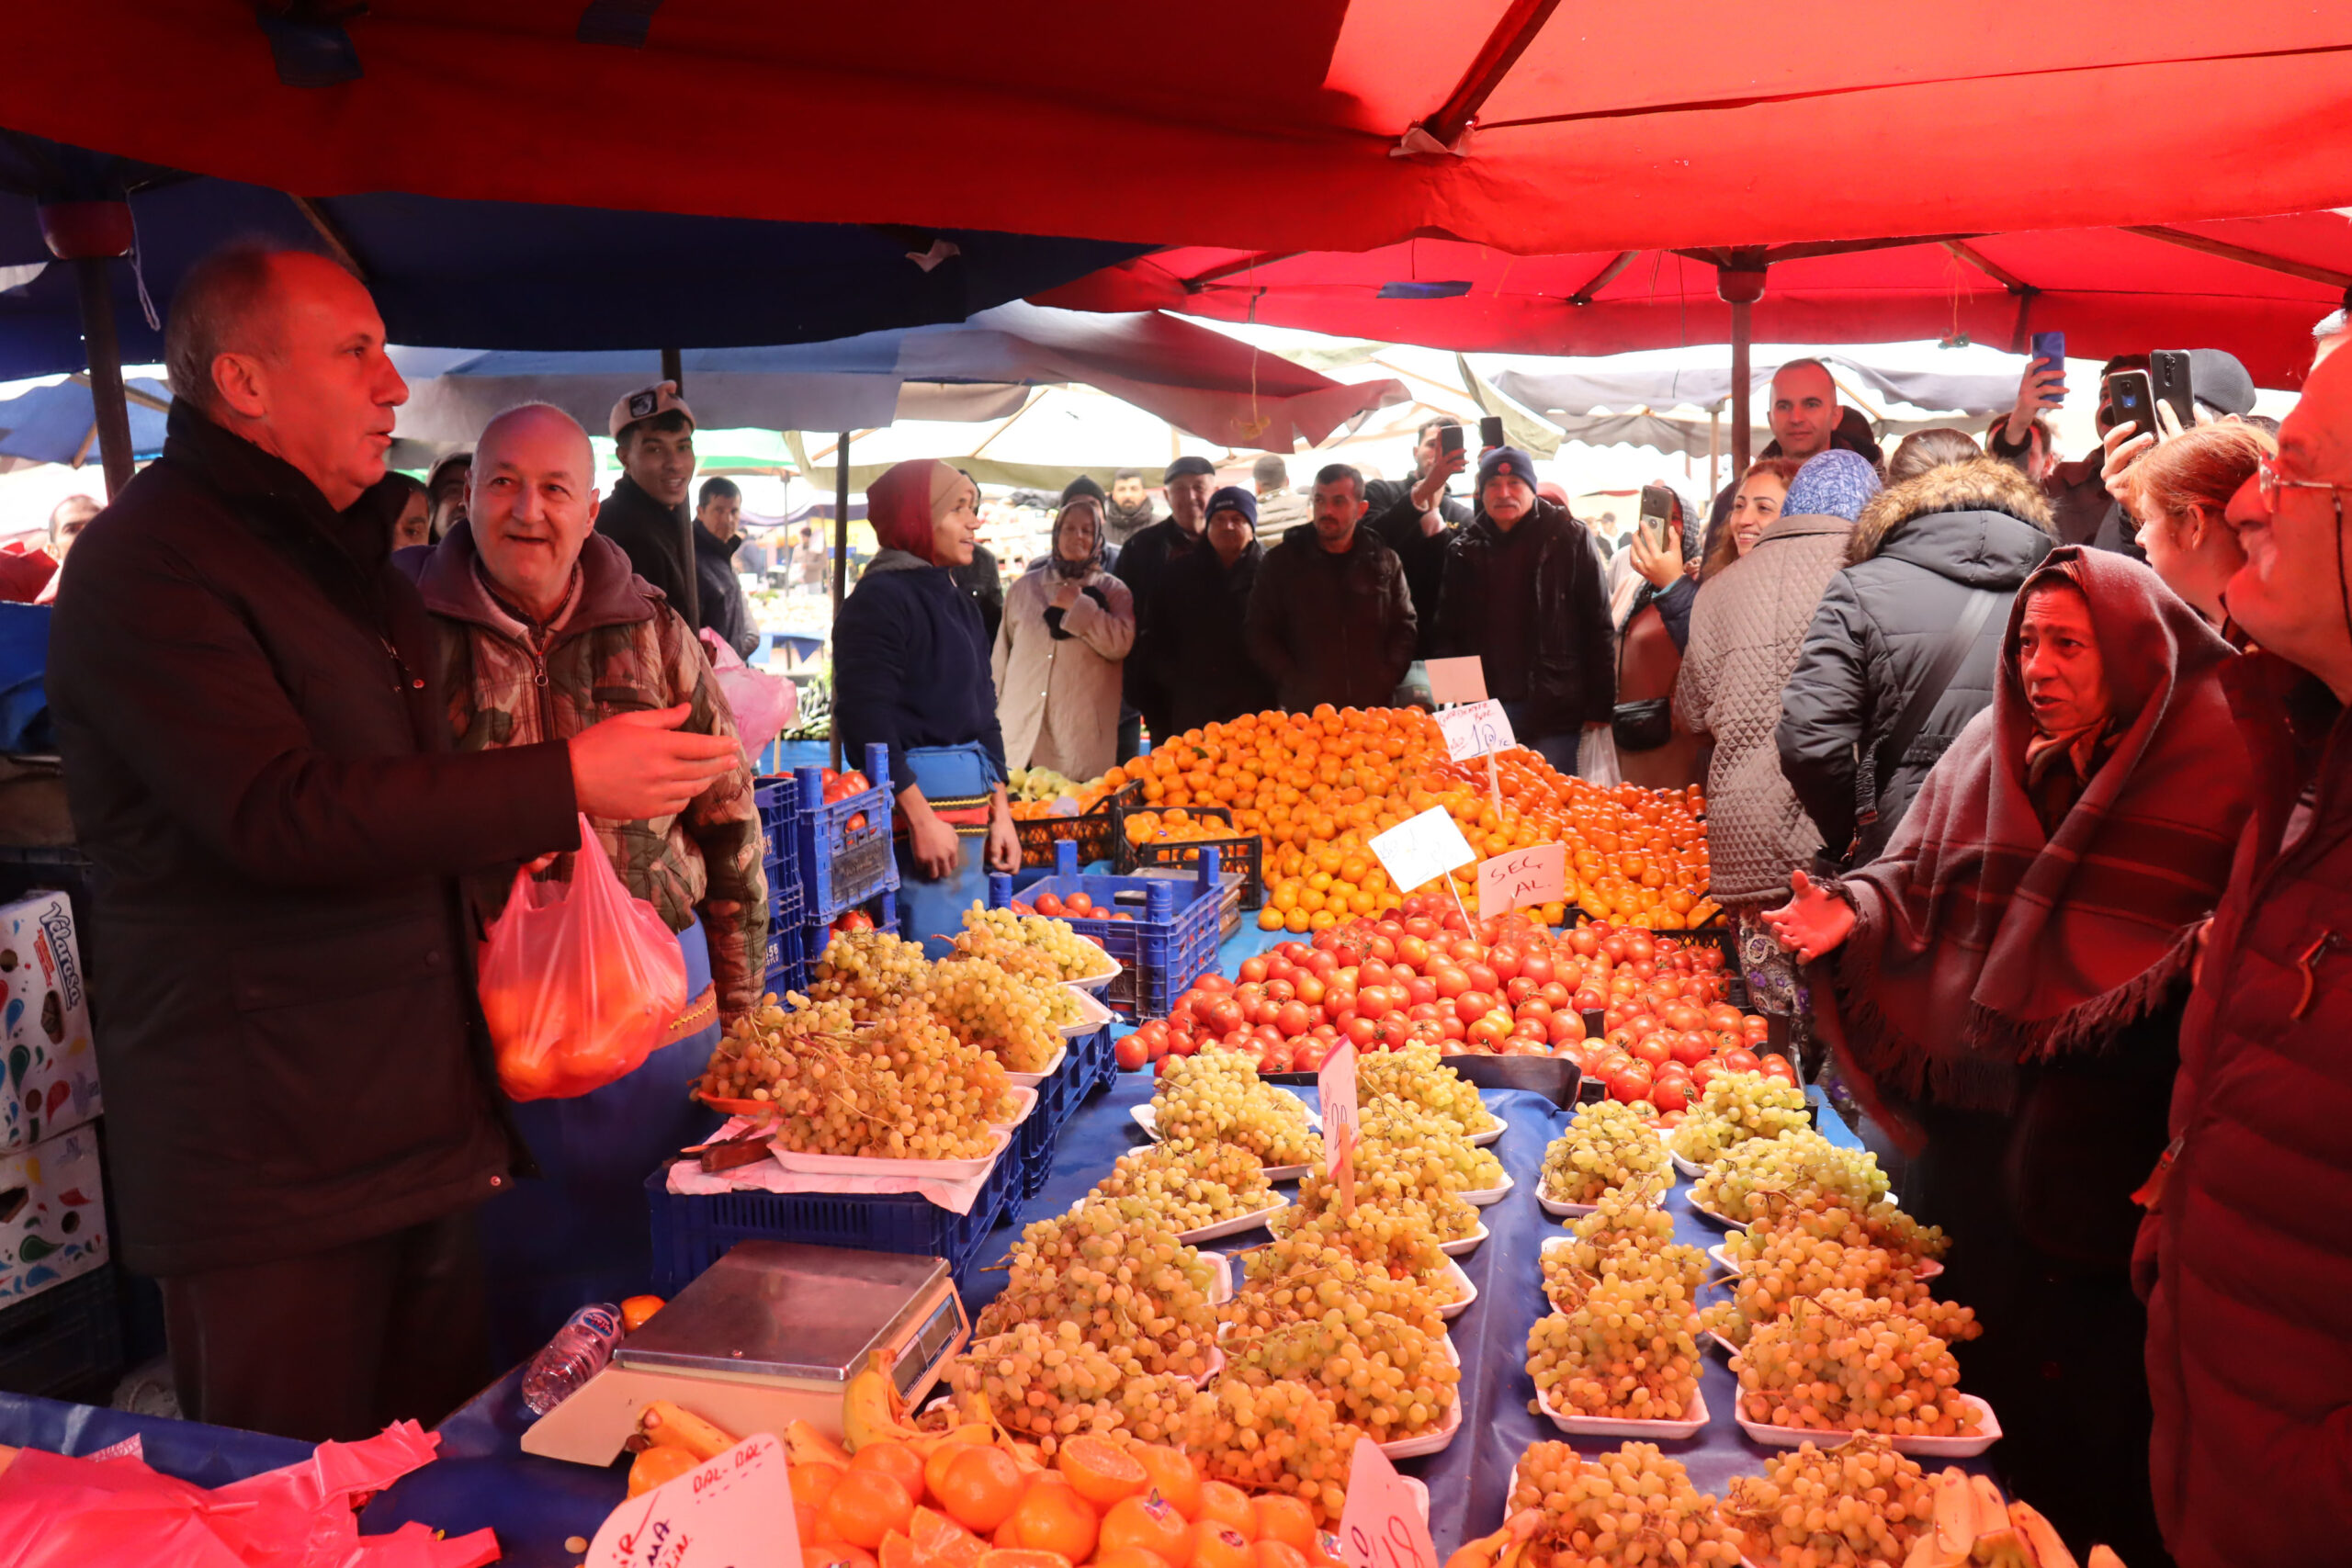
578,1352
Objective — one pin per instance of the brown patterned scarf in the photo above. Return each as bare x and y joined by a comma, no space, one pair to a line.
1983,943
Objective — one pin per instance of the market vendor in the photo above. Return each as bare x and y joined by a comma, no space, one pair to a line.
910,671
540,629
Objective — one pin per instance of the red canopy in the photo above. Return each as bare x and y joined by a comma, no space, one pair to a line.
1236,121
2254,287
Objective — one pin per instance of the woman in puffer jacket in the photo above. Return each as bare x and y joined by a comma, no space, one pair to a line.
1925,547
1746,629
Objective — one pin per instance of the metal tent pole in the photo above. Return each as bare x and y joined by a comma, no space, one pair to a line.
1739,281
111,414
841,573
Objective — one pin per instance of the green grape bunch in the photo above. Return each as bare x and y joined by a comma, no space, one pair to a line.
1189,1186
1858,1504
1608,1147
991,932
1123,1279
1734,1107
1044,1381
1797,1170
1614,1510
1386,1376
1843,1361
1218,1097
1419,1075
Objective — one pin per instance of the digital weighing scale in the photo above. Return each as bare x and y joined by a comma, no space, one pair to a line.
770,1334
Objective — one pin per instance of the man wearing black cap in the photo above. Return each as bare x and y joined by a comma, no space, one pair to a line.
1523,593
1143,560
646,515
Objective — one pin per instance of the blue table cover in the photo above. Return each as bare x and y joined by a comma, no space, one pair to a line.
484,1479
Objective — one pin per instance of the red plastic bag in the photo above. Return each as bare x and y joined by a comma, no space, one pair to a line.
116,1512
578,980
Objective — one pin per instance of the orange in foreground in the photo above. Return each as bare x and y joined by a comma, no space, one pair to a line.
1148,1523
865,1505
1051,1516
1100,1469
979,1487
1172,1476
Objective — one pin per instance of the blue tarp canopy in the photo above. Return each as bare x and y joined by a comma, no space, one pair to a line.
57,423
490,274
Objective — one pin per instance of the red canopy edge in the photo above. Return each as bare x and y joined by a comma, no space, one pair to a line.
1848,124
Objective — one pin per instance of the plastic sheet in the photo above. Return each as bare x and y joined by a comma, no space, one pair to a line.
763,705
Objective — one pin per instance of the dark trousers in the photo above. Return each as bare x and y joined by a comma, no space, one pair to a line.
1560,750
336,1344
1130,734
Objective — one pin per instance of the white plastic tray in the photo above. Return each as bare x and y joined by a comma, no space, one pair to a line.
1466,1245
1092,1015
1485,1195
1684,1166
1720,1257
1726,1221
1031,1081
1144,1117
1096,982
1924,1270
1986,1436
1024,1099
1562,1210
1221,1285
862,1164
1234,1225
1480,1140
1469,1291
1608,1426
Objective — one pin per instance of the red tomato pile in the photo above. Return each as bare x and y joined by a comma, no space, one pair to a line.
1512,989
841,786
1076,906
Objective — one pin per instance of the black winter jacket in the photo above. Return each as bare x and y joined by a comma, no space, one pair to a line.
258,758
1572,673
1919,550
658,540
724,608
1143,562
1331,628
1398,521
1198,635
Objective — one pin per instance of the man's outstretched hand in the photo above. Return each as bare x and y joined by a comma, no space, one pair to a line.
640,765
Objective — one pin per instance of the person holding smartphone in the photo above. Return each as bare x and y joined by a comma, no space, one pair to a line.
1415,516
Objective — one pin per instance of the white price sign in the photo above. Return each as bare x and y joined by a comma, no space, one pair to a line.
723,1514
1336,1089
1475,730
1422,848
1385,1522
1457,680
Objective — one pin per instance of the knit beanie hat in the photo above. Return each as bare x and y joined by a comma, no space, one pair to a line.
1834,483
2219,378
1507,461
1234,498
1082,485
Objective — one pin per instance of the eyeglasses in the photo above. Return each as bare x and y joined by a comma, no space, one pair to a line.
2269,481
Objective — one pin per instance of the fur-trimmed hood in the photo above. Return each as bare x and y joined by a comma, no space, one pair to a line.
1979,485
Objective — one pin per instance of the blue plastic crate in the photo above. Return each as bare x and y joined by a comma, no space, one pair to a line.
841,866
691,1233
1057,1101
1105,1061
788,967
1170,942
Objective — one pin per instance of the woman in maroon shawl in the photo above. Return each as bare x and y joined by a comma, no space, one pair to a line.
2009,975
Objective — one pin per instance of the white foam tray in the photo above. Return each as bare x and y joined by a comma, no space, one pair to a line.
1608,1426
1096,982
1485,1195
1031,1081
1146,1118
1986,1436
1092,1015
1481,1140
1462,1283
1466,1245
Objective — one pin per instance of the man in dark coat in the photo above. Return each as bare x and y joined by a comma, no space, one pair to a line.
1415,518
1522,593
1921,551
300,1093
2252,1304
1331,619
1142,560
1202,609
718,512
654,435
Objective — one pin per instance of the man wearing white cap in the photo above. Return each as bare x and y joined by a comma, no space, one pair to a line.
646,514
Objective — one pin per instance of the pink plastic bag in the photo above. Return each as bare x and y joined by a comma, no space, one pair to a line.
763,704
578,980
116,1512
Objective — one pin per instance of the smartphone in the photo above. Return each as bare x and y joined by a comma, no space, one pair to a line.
1449,439
2168,373
2050,349
1657,518
2130,396
1490,432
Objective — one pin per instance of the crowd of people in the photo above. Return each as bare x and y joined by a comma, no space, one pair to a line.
2025,797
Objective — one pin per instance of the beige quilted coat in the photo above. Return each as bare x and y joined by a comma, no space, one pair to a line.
1746,631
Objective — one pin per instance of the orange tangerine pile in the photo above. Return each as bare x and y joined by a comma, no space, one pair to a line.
1175,825
1318,787
1106,1500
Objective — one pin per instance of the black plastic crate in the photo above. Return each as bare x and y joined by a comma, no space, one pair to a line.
1095,831
66,1342
1243,853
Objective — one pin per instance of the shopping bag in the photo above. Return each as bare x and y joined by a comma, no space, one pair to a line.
763,705
579,981
1596,756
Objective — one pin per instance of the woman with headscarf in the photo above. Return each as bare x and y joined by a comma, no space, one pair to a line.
910,671
1065,636
2009,975
1746,629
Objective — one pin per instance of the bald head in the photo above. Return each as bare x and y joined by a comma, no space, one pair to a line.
1805,408
533,503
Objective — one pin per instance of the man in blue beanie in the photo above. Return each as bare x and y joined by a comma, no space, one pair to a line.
1523,593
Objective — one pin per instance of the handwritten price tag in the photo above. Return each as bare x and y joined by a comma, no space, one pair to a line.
720,1515
1536,874
1475,730
1457,680
1421,848
1385,1524
1336,1087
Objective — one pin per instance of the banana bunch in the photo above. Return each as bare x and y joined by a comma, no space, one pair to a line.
1973,1528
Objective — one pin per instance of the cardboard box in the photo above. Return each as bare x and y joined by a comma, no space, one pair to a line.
52,1213
51,1066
